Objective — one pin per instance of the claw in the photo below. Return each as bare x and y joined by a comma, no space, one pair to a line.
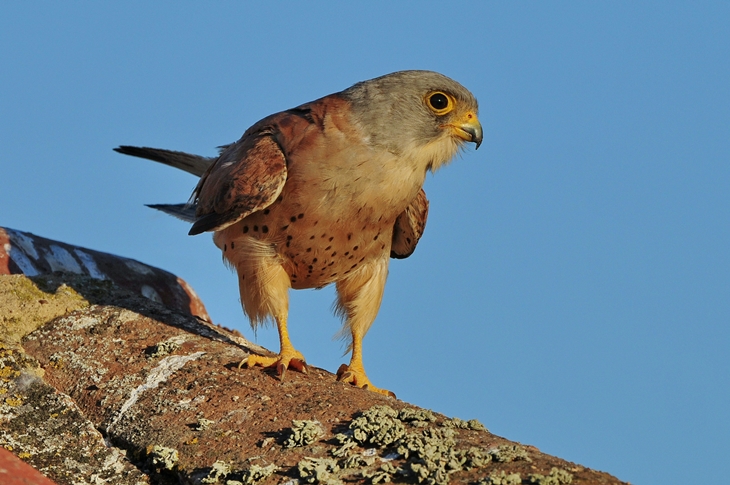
359,379
280,370
298,365
289,359
346,377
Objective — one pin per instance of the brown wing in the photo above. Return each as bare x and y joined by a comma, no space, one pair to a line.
248,176
409,227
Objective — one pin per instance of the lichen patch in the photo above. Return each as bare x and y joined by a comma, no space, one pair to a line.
303,433
26,307
377,446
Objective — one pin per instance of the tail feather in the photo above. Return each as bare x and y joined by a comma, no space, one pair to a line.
185,212
194,164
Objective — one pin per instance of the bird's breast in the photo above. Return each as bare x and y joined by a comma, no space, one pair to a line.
322,231
321,243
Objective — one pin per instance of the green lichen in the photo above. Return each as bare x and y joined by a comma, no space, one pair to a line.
255,474
429,442
319,470
417,417
383,475
163,348
218,471
162,458
303,433
455,423
357,461
347,443
427,456
476,425
221,472
501,478
461,424
378,426
432,472
431,455
203,424
475,458
507,453
556,477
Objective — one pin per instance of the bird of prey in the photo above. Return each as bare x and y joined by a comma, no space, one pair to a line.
326,193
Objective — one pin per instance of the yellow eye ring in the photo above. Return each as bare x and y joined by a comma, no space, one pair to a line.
439,102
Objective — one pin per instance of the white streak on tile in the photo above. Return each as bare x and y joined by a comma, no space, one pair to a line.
21,260
24,242
149,292
166,368
138,267
61,260
88,261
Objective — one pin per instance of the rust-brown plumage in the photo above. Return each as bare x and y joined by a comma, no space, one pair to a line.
326,193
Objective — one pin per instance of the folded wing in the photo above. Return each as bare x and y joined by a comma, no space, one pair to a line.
247,177
409,227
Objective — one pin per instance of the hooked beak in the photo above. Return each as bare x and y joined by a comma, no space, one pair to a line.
469,129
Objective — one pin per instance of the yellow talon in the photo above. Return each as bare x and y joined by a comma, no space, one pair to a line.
352,375
288,358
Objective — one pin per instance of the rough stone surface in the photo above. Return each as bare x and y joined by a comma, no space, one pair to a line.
46,428
110,387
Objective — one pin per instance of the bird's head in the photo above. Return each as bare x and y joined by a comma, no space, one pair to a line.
422,115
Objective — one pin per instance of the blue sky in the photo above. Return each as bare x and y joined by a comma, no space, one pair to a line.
572,289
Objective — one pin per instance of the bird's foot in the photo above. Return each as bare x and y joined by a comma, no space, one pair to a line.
357,377
287,359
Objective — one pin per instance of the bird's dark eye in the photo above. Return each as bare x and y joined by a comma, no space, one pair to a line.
438,101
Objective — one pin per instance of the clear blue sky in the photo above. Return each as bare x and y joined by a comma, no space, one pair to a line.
572,290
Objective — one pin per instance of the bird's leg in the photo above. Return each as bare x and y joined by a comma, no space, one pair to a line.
288,358
264,285
358,300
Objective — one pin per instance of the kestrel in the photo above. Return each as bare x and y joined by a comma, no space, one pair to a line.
326,193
